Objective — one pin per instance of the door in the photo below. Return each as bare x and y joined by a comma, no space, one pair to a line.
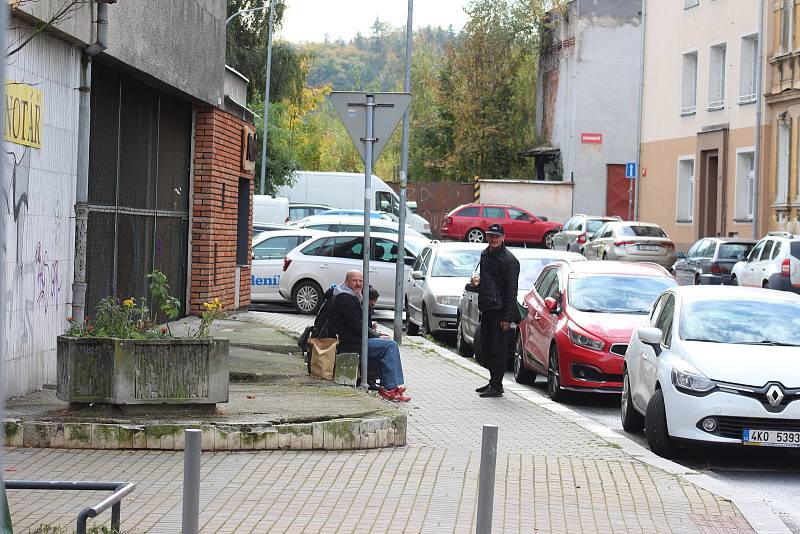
748,272
267,267
534,325
347,254
546,322
522,227
650,359
709,195
619,191
762,265
493,215
683,270
416,287
382,270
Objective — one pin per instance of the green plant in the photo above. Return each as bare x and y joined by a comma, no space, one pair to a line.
212,312
159,291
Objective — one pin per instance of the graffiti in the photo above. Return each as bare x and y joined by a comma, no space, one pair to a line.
48,279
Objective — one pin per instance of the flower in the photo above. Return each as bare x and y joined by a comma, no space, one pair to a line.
71,319
164,330
128,303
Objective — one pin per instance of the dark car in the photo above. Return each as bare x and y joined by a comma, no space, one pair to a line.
710,260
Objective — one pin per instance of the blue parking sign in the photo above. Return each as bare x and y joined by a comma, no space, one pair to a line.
630,169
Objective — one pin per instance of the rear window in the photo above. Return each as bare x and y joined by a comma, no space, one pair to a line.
642,231
472,211
795,248
594,225
732,251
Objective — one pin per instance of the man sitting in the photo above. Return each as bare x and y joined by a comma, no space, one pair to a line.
345,322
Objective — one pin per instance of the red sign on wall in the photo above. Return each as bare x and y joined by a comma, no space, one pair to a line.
591,138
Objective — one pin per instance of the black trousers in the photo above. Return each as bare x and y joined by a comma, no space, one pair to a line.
494,343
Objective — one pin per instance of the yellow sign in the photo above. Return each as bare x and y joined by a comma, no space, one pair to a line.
24,114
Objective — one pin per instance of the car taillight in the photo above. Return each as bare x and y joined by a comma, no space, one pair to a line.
448,221
716,269
286,263
786,267
669,245
582,239
623,243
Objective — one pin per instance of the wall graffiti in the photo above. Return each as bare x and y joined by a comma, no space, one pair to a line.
48,279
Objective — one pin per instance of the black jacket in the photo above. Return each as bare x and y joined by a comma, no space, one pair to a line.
345,322
497,290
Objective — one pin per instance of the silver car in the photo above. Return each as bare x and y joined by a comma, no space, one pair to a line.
631,241
578,231
434,288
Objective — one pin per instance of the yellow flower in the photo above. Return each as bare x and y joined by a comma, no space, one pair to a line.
128,303
207,305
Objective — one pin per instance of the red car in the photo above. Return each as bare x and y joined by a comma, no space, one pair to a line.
469,223
580,317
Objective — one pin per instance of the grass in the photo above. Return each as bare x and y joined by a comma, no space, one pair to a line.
57,529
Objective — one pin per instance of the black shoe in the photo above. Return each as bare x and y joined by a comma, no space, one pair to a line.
492,392
482,388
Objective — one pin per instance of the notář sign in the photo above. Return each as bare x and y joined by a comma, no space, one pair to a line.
24,114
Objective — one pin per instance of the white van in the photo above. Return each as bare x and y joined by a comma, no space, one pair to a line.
346,190
270,210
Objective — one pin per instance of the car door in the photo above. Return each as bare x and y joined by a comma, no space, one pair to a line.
267,265
416,287
704,259
761,267
548,321
346,255
594,248
650,360
682,269
471,316
494,215
748,277
533,325
382,270
522,227
560,240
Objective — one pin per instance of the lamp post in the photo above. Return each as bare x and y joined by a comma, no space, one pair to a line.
263,179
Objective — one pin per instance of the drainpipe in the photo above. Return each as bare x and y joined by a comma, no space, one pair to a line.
759,98
637,183
82,181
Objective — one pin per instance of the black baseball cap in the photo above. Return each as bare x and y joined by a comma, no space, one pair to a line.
495,229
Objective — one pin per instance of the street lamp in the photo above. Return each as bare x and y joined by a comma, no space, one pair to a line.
266,83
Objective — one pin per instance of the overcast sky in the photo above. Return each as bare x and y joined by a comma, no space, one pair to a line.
310,20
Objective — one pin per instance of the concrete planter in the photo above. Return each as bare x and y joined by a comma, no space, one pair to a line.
136,372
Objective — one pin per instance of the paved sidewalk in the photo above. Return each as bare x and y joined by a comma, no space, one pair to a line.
552,475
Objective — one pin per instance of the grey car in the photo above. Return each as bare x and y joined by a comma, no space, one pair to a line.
578,231
631,241
531,263
710,261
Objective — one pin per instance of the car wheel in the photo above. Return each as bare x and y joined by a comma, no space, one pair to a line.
697,279
476,235
734,280
307,297
521,374
632,421
656,427
547,240
554,377
426,326
412,329
461,345
477,348
765,285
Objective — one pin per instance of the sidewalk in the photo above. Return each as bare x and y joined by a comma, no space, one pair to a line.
553,475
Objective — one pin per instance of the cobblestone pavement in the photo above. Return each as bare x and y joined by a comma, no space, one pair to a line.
552,475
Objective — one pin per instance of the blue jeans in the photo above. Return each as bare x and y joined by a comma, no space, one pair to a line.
387,354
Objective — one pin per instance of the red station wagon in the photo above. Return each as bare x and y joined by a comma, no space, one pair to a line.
469,223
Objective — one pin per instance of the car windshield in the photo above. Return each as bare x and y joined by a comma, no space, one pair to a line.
641,231
616,293
529,270
742,321
732,251
593,225
451,263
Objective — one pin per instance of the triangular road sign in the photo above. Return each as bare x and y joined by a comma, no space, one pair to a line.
351,107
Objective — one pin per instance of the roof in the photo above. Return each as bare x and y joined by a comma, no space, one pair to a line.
540,151
523,253
696,293
262,236
462,245
617,267
730,240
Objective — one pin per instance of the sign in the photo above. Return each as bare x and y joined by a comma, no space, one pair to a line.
630,170
249,148
595,138
352,110
24,114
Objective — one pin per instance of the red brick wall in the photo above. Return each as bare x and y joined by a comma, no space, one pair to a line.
217,169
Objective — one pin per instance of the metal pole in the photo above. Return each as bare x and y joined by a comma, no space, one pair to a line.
369,140
263,181
757,155
5,516
637,180
191,480
486,479
401,237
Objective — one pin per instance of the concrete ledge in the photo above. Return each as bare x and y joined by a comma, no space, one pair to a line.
337,434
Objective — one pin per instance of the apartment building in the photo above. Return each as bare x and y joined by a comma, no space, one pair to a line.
699,118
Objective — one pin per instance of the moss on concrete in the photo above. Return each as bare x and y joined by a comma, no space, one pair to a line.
79,433
159,431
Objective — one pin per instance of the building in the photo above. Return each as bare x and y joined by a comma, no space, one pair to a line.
587,102
115,133
699,118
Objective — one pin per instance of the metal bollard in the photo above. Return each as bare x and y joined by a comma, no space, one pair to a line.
191,480
486,479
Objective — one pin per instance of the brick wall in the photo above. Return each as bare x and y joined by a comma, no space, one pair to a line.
217,169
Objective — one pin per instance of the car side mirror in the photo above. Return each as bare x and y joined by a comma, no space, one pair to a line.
650,335
543,218
409,260
680,255
417,275
551,304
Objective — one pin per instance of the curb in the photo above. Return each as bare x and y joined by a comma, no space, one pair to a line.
266,347
336,434
756,511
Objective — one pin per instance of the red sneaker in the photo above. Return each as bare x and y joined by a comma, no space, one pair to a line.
393,395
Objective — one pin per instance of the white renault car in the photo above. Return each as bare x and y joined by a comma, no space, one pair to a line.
716,364
352,223
269,250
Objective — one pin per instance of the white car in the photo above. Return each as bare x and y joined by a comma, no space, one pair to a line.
310,269
352,223
716,364
773,263
269,250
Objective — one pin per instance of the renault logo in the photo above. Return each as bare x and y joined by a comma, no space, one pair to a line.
774,395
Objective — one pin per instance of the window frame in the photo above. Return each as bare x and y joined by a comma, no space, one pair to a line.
748,95
690,196
685,108
717,68
744,185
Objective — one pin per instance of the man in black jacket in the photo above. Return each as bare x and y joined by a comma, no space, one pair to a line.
497,301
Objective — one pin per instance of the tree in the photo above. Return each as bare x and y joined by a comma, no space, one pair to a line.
63,12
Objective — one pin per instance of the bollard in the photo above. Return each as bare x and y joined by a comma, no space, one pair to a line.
191,480
486,479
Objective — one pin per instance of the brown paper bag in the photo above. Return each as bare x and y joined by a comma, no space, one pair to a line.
323,356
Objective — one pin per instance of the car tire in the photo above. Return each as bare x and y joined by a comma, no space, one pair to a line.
307,297
734,280
412,329
765,284
655,427
605,257
475,235
547,240
461,345
696,279
477,348
426,325
632,421
554,390
521,374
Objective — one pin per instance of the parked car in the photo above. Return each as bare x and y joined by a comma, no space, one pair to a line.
301,211
270,210
436,282
710,260
324,261
469,223
468,317
773,263
631,241
259,227
580,319
352,223
577,231
360,213
269,250
715,365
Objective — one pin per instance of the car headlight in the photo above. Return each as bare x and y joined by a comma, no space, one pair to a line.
448,300
688,379
585,341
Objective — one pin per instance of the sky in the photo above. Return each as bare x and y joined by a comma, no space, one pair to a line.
310,20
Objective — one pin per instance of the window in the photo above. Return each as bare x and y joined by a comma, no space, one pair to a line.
694,252
708,249
685,189
690,3
276,248
518,215
766,251
494,213
689,88
243,222
747,69
296,214
471,211
716,77
320,247
386,201
745,183
776,250
784,152
324,227
384,250
542,285
787,26
756,252
349,248
664,321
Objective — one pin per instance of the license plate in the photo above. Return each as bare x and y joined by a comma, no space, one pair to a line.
771,438
649,248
